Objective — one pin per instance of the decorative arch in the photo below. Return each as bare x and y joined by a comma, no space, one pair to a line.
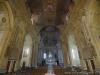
6,24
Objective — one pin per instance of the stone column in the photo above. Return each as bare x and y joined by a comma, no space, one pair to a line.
86,62
64,48
17,65
90,65
68,59
36,53
33,53
11,66
83,64
64,54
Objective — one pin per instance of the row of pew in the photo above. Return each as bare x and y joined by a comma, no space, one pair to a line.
57,71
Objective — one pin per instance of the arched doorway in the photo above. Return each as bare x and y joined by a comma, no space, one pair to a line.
27,52
73,51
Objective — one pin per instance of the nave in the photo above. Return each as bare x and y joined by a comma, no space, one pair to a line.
56,37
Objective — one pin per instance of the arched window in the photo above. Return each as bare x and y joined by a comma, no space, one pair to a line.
27,51
73,51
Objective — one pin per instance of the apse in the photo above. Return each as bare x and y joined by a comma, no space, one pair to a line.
50,42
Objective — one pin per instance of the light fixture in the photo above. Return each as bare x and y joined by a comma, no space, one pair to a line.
73,54
27,51
67,17
44,55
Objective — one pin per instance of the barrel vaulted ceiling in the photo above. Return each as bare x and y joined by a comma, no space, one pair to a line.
50,12
49,15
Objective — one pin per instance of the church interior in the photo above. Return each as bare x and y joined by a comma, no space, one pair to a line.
50,37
